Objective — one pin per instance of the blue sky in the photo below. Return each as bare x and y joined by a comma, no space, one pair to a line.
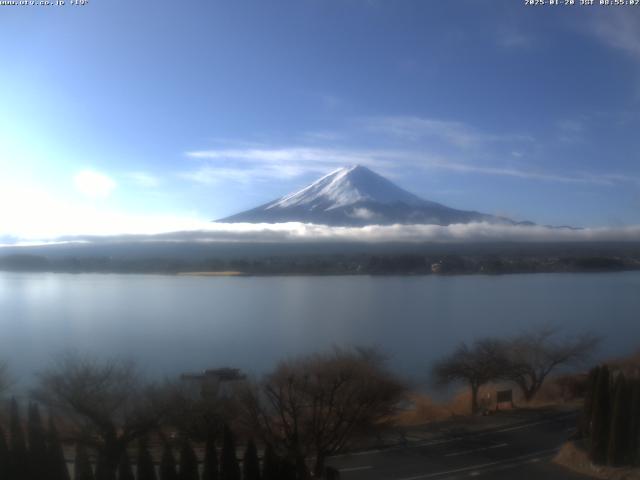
121,114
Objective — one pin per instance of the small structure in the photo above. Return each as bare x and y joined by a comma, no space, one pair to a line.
211,382
504,396
224,374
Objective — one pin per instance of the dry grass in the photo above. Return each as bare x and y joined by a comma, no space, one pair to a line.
425,409
574,457
629,365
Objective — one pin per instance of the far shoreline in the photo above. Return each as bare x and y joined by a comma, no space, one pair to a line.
212,274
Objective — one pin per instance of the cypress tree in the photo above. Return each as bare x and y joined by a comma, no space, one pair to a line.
288,470
18,456
210,471
82,464
188,462
125,472
270,464
587,410
168,464
56,462
634,423
4,455
600,418
102,469
230,469
250,463
146,469
618,447
37,443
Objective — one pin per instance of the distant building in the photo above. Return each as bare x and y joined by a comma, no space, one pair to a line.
213,381
436,267
224,374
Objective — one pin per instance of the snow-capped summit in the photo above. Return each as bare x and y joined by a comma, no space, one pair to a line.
346,186
355,196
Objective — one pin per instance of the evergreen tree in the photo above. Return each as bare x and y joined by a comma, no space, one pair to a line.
288,470
37,443
270,464
587,410
168,464
188,462
210,471
230,469
634,423
4,455
56,463
251,463
618,447
146,469
600,418
82,464
18,457
103,472
125,472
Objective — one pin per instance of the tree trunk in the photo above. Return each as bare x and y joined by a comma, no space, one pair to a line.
318,469
111,452
529,393
474,398
301,467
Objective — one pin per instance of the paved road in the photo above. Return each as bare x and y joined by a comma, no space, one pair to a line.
522,452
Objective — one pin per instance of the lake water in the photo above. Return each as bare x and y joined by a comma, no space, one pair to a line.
173,324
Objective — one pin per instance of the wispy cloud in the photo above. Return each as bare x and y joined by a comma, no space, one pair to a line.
251,164
290,162
144,179
455,133
512,38
619,29
570,130
406,142
607,179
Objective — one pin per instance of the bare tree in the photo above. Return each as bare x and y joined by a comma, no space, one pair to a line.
5,380
533,355
315,406
105,401
197,409
476,365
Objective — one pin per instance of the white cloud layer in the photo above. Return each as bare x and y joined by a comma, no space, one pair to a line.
195,231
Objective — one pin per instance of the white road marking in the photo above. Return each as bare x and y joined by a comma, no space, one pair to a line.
503,467
447,440
355,469
473,468
480,449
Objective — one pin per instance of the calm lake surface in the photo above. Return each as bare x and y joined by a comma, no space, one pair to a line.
173,324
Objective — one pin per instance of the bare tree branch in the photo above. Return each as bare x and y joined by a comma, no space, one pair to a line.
533,355
476,365
316,405
107,402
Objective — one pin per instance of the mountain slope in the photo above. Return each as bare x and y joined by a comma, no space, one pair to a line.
356,196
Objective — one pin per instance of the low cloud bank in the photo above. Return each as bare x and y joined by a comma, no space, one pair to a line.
301,232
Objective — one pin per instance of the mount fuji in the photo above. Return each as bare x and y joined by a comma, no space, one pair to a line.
357,196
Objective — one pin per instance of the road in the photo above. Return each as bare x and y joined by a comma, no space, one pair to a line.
521,451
